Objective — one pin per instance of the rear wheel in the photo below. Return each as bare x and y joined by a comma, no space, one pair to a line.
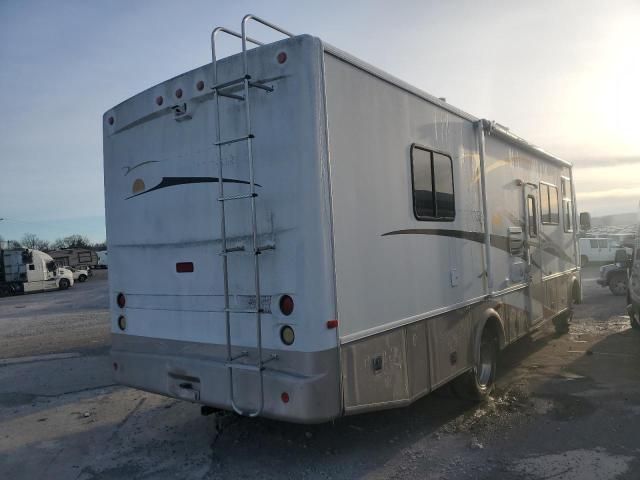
618,284
82,278
477,383
63,284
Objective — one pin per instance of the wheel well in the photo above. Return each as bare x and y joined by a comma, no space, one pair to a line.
575,291
494,325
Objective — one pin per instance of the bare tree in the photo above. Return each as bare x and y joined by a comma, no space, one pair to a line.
31,240
72,241
14,244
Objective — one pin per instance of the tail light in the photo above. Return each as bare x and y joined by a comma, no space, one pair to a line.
122,322
287,335
121,300
286,305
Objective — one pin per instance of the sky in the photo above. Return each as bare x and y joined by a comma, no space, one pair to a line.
564,75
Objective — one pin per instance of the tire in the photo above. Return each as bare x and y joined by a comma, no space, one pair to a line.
634,317
584,260
63,284
82,278
618,284
477,384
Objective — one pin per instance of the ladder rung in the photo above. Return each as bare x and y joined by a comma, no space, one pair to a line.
234,140
243,310
245,366
261,86
231,83
233,249
231,95
237,197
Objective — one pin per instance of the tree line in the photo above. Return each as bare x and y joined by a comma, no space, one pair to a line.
32,241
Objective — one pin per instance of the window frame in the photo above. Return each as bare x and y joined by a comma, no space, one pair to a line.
435,217
557,212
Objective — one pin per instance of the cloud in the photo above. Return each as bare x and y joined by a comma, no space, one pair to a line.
600,162
632,192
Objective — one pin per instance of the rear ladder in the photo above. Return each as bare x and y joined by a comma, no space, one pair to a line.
221,90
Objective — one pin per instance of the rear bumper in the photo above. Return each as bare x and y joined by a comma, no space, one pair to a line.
197,372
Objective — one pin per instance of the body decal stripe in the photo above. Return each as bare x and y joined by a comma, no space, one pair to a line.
497,241
173,181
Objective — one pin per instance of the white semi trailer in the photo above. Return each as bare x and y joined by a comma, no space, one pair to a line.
296,234
25,271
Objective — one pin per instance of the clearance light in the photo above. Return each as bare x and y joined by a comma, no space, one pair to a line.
284,397
282,57
121,300
110,120
287,335
184,267
122,322
179,93
332,324
159,100
200,85
286,305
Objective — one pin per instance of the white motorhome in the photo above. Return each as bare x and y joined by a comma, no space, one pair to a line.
24,271
296,234
75,257
103,259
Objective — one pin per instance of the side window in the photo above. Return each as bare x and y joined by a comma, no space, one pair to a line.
593,243
567,204
554,210
32,266
533,217
433,193
544,203
549,210
603,243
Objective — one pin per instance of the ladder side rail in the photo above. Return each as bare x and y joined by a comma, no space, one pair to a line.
246,39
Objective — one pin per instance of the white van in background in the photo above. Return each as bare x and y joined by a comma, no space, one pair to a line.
598,250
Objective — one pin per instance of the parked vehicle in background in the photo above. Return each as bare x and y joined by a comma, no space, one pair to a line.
79,274
103,259
614,276
75,257
633,291
25,271
598,250
331,266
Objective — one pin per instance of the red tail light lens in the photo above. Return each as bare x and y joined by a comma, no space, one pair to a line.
286,305
121,300
159,100
282,57
179,93
184,267
200,85
110,120
332,324
284,397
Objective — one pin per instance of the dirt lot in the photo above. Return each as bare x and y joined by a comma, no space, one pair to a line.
566,408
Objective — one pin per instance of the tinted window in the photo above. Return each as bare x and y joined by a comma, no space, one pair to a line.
602,243
568,216
554,210
533,221
433,192
445,206
423,203
593,243
544,203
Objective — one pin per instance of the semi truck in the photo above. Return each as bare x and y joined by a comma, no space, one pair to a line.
25,271
296,234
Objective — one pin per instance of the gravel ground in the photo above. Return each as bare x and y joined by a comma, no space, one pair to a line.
566,407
